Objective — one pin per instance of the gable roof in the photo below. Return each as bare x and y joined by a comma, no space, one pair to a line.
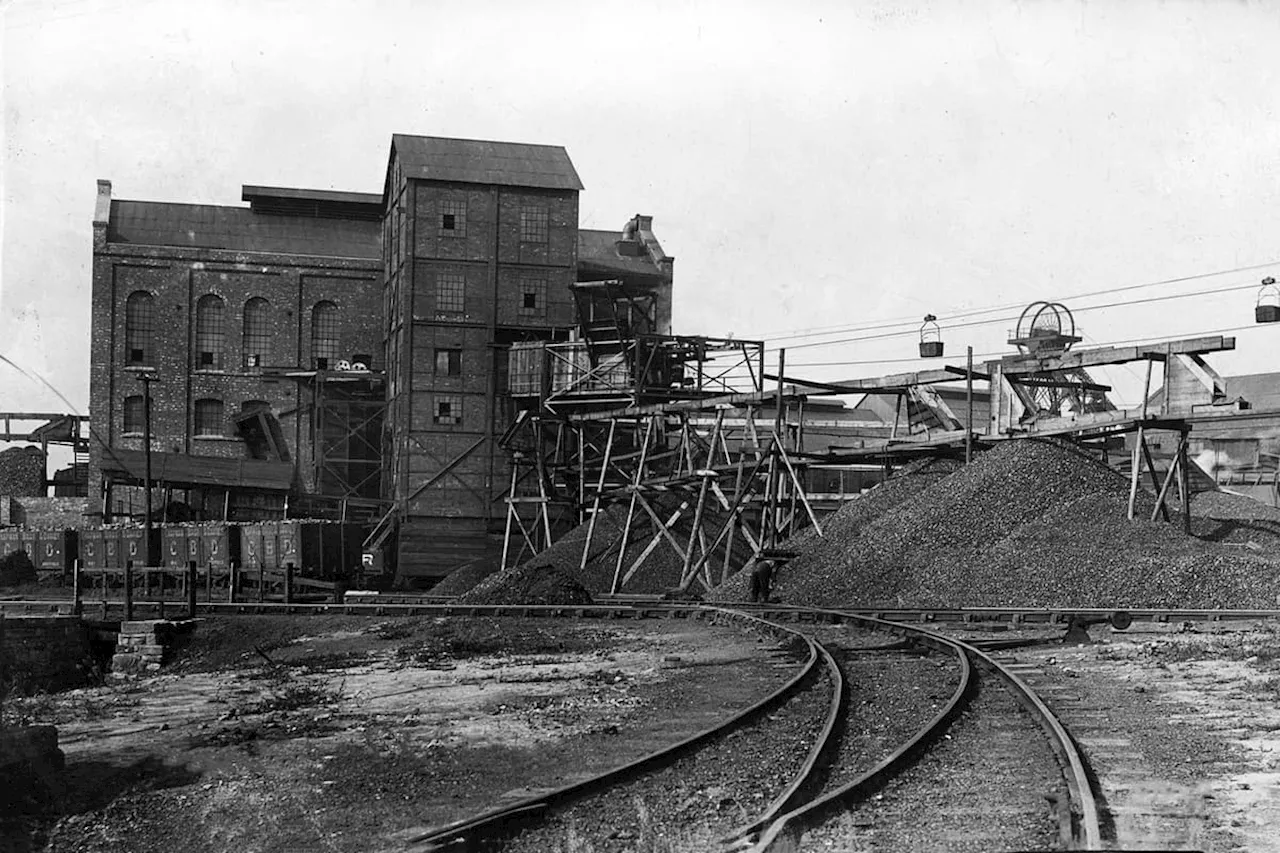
598,253
474,161
1262,390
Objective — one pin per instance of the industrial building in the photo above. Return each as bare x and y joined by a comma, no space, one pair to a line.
340,354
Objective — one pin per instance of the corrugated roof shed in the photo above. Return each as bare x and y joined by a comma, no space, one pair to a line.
598,250
511,164
178,469
240,229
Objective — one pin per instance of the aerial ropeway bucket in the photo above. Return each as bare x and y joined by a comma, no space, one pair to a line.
1268,308
930,338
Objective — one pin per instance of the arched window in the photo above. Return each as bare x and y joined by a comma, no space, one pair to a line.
133,414
325,334
139,327
257,332
209,420
211,338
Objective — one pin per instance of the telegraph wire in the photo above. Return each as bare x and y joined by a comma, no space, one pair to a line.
93,434
815,331
1002,354
1007,319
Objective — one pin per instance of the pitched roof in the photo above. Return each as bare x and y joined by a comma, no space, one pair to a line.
474,161
598,252
1262,390
240,229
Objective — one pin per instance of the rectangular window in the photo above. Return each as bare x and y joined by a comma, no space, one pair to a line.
448,362
533,224
448,409
133,414
451,290
533,296
453,219
209,419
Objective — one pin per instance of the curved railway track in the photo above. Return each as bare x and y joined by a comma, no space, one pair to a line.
839,780
488,830
839,769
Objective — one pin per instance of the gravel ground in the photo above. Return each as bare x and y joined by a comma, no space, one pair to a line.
892,695
981,788
698,799
1029,523
365,732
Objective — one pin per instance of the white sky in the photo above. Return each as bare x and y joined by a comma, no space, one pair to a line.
808,164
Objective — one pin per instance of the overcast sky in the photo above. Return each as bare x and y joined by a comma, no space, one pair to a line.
809,165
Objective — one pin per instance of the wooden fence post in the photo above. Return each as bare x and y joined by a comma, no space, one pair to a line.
262,580
128,593
288,583
75,588
232,580
192,583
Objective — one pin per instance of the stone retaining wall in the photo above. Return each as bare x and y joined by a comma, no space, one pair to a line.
142,644
44,652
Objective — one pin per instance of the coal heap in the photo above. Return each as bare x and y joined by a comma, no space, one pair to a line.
662,568
1034,523
847,523
528,585
464,578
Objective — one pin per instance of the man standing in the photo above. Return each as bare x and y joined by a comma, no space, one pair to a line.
761,581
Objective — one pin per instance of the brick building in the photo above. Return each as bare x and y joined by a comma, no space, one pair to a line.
253,318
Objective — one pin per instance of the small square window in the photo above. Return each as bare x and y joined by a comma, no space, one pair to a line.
533,224
449,362
448,409
533,296
453,219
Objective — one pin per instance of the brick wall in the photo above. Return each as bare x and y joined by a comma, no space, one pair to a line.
510,285
48,513
177,278
44,652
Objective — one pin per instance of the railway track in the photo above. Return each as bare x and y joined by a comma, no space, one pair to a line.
791,771
1138,807
846,779
412,605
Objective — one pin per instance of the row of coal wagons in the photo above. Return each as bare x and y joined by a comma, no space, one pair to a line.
51,551
324,550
